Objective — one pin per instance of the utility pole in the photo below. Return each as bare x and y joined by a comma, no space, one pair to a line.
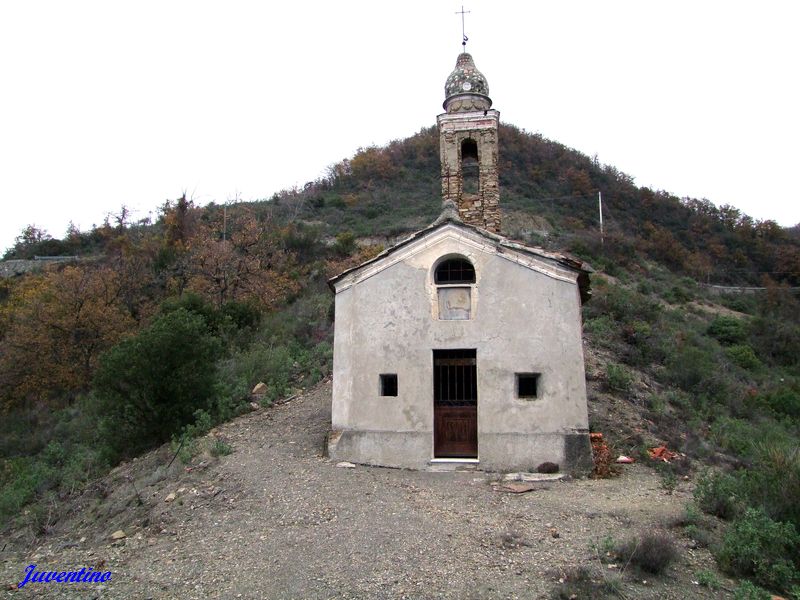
600,206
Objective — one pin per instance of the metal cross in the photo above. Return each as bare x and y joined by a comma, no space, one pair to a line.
464,38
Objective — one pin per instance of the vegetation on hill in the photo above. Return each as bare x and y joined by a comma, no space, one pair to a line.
162,328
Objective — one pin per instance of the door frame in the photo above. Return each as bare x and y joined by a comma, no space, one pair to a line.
458,404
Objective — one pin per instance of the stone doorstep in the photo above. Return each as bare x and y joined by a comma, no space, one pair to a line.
449,465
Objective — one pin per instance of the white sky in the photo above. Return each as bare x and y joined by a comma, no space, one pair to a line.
109,103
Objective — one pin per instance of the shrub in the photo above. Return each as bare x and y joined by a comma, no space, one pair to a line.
220,448
677,295
749,591
669,480
651,552
716,493
150,385
767,551
195,304
774,483
580,582
345,243
623,305
709,579
690,367
777,340
728,330
700,536
602,327
784,400
733,435
743,356
618,378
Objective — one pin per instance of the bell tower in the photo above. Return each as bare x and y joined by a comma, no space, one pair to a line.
468,146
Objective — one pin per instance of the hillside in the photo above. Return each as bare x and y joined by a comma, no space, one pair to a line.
159,330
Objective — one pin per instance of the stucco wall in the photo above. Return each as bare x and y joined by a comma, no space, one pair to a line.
522,321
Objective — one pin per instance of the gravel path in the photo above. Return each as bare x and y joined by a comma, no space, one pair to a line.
275,519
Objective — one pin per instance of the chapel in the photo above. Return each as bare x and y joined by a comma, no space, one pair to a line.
459,346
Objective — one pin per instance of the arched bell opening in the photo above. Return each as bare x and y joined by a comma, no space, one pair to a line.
470,171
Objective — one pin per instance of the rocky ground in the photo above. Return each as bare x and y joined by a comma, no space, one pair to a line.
275,519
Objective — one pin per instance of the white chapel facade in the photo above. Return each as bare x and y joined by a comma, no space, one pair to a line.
458,344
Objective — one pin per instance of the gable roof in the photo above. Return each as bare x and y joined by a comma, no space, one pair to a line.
502,245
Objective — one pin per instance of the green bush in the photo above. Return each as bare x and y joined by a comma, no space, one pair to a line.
623,305
728,330
774,482
717,494
602,328
195,304
733,435
150,385
677,295
764,550
784,400
345,243
743,356
690,367
618,378
749,591
777,341
709,579
220,448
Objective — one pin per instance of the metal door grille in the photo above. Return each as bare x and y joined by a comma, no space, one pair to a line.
455,380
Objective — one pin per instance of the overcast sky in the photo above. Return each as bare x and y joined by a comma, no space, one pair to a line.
110,103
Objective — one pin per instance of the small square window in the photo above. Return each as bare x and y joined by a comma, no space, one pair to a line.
389,384
527,385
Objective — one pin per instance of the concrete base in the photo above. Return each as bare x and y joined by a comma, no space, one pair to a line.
498,452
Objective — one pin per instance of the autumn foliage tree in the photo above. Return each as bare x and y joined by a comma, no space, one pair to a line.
249,264
56,325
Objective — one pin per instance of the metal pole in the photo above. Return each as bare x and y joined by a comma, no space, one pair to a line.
600,205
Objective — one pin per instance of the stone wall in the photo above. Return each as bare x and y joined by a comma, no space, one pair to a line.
481,209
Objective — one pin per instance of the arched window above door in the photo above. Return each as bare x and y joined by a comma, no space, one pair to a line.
453,271
454,277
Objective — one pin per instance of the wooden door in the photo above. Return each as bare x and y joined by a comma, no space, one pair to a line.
455,404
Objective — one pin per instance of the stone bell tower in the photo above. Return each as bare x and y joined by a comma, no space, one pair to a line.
468,146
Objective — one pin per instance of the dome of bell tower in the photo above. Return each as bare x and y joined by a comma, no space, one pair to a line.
466,88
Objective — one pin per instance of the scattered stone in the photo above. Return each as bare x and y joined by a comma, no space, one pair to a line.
515,487
170,497
118,535
345,465
554,533
260,389
625,460
255,405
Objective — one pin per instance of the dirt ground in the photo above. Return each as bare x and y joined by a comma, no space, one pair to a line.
275,519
